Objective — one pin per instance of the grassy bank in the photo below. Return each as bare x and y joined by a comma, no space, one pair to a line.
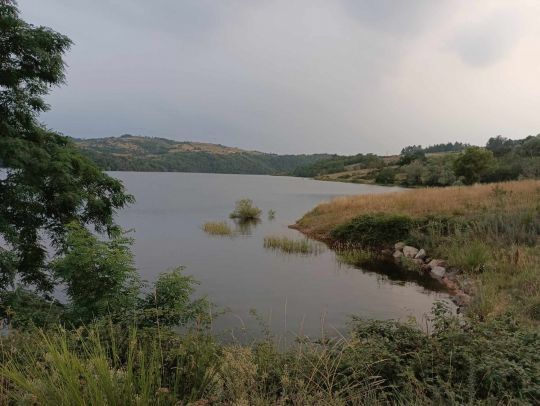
379,363
489,232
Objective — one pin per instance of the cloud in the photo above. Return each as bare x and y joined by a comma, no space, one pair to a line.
300,76
488,42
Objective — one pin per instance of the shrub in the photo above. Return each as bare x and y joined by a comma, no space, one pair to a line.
170,304
472,164
100,276
245,210
385,176
373,230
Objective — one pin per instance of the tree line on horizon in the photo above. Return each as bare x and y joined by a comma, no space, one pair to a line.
445,164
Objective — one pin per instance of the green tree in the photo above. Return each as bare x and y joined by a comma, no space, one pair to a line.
413,173
46,183
472,164
499,145
530,146
386,176
99,276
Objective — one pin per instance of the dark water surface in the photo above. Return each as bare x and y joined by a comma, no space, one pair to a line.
292,293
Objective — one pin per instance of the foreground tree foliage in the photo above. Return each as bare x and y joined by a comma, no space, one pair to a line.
46,183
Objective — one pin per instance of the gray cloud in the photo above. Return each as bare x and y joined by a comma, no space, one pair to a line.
489,41
305,76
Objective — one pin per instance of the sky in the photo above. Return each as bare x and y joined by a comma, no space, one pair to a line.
297,76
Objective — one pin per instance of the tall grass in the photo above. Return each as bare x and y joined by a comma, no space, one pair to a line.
379,363
518,196
217,228
292,246
92,367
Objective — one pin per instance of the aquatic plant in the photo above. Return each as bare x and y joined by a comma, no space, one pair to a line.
271,214
217,228
245,210
292,246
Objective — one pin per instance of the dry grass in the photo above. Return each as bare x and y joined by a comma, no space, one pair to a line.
217,228
518,195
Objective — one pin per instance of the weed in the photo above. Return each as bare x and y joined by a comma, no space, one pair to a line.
217,228
292,246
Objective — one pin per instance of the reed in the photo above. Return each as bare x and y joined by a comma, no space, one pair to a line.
292,246
217,228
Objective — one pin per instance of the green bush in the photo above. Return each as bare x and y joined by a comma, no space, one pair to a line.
475,363
373,230
386,176
245,210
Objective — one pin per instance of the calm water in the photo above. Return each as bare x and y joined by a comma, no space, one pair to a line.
292,293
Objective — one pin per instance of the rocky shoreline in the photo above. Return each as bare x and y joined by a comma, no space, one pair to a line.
407,256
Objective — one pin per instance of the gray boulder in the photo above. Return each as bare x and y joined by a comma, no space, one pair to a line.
397,254
399,246
438,271
437,262
420,254
410,252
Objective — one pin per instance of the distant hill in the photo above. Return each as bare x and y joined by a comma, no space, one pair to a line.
149,154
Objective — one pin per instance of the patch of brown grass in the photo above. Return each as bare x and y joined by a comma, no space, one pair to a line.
517,195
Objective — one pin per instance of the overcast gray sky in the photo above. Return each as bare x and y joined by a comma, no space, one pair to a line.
295,76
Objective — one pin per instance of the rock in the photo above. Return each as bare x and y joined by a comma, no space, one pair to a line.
397,254
387,252
409,251
437,262
420,254
450,284
438,271
461,299
399,246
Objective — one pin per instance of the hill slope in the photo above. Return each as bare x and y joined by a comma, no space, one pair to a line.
137,153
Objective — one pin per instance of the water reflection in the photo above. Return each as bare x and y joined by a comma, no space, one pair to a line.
389,271
245,227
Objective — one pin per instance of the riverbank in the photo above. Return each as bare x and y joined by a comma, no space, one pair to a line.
489,233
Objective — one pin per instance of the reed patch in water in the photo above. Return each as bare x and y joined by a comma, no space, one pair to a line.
292,246
217,228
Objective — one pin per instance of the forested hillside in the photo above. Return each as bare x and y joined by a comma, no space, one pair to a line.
136,153
502,159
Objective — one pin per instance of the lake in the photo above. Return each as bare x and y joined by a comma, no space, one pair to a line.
292,294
